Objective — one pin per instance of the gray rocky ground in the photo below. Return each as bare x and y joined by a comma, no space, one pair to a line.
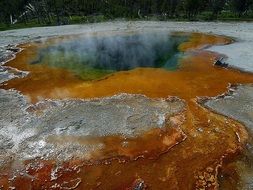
25,129
237,103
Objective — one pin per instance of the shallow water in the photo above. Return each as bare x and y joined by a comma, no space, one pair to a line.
191,164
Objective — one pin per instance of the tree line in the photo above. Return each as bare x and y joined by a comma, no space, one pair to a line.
63,11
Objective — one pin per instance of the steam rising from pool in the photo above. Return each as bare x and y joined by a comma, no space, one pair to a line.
96,56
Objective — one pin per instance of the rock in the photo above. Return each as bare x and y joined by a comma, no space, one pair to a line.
220,63
139,184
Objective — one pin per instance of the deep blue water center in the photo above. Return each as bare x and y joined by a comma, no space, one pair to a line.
91,57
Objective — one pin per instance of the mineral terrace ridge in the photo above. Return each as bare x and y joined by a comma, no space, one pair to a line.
118,114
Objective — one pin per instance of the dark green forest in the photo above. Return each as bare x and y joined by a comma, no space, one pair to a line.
58,12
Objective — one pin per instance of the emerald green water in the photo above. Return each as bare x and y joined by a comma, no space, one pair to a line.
94,57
